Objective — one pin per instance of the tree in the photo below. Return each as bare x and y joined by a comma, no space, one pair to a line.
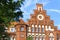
29,38
9,11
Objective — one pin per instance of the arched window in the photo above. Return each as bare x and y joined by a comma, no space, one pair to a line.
42,37
36,29
28,29
42,28
39,29
32,29
51,36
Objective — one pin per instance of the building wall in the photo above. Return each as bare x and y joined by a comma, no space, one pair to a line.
39,27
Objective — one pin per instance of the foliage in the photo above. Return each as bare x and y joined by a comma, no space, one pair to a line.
9,11
29,38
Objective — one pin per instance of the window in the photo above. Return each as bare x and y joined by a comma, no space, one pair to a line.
29,29
36,38
36,29
42,37
42,29
12,29
32,29
39,28
51,36
22,29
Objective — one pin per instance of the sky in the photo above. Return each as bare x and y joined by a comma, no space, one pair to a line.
51,6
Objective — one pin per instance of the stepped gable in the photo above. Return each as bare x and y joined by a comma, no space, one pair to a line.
21,22
39,27
36,18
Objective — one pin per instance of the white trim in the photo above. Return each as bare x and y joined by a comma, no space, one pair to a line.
36,34
43,34
11,38
29,34
42,26
32,33
39,34
51,34
32,25
14,39
35,25
29,30
46,28
39,25
52,29
49,28
12,29
41,16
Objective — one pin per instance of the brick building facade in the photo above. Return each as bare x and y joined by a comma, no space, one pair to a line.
39,27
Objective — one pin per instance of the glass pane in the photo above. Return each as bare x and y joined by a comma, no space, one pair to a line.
12,29
36,29
42,29
32,29
36,38
51,38
42,37
22,29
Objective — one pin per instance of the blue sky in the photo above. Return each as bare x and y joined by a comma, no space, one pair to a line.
52,7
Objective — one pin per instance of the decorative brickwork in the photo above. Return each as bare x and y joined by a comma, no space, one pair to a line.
39,26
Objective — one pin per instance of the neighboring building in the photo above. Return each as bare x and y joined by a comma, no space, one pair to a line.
39,26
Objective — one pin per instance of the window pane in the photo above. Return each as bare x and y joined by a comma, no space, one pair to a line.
36,29
42,37
32,29
42,29
12,29
36,38
51,38
22,29
29,29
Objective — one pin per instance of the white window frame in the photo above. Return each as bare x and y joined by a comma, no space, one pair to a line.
51,36
12,29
